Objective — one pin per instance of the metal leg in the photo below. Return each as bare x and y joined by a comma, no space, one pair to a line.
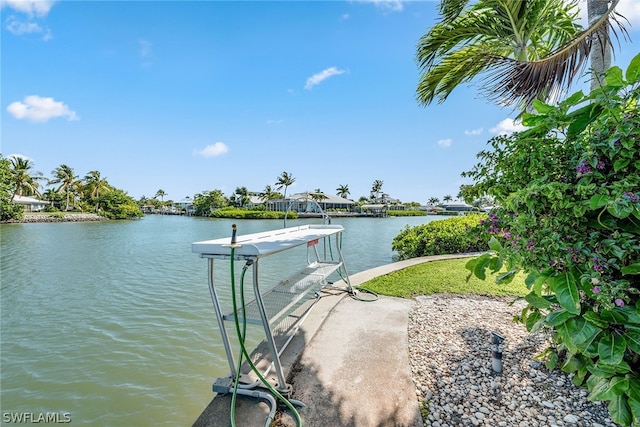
219,316
283,387
343,267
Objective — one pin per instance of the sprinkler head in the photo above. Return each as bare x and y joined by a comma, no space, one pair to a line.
496,338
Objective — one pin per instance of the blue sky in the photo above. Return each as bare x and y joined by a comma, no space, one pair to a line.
194,96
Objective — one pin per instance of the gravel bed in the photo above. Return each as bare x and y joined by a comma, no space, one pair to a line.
450,355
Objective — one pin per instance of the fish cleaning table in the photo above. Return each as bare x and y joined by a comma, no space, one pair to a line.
280,309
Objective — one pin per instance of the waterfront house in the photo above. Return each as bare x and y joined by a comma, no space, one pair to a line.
30,204
457,207
308,202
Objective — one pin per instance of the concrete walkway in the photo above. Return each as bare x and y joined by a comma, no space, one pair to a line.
349,363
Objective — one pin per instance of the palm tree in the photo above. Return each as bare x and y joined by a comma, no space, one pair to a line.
160,193
318,195
376,188
49,195
528,49
25,181
597,11
65,176
95,185
433,201
343,191
241,197
447,198
285,180
267,194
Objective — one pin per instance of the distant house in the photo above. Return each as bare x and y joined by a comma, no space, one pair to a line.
185,206
457,207
305,203
385,199
31,204
375,209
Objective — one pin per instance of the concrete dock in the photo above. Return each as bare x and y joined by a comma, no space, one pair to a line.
348,363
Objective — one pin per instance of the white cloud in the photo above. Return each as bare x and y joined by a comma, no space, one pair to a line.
392,5
20,156
473,131
145,47
318,78
274,122
18,27
39,109
213,150
30,7
445,142
506,127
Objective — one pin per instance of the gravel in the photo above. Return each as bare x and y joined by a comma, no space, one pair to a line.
450,353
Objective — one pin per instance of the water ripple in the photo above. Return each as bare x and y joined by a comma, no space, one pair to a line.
112,322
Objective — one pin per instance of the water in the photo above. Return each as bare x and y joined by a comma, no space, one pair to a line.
111,323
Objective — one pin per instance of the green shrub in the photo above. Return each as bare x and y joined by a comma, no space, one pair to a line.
448,236
117,204
569,187
413,212
243,213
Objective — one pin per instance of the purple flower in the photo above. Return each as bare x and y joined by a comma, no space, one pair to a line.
583,167
600,165
619,302
597,266
531,244
632,197
595,290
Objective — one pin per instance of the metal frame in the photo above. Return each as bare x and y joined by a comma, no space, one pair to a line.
284,297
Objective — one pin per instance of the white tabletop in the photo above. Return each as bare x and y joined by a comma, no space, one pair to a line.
266,242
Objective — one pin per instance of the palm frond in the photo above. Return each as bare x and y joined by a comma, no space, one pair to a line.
520,82
450,9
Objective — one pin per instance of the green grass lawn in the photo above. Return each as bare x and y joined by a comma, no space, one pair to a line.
447,276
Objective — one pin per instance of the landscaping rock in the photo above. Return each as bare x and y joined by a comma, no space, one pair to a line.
450,354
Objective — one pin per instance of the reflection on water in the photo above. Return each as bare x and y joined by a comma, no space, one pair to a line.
112,322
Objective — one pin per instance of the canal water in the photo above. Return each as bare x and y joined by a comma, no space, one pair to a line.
111,323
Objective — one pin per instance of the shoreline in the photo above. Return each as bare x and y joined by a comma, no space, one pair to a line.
30,218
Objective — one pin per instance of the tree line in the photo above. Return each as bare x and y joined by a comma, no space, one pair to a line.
206,202
64,190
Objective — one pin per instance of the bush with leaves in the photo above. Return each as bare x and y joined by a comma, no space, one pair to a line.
117,204
243,213
446,236
8,210
569,191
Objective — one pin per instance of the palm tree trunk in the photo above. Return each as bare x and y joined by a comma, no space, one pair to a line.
600,53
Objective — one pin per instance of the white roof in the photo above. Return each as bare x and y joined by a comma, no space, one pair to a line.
26,200
328,198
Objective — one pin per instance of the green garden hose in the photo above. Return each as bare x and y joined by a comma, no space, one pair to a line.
243,350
